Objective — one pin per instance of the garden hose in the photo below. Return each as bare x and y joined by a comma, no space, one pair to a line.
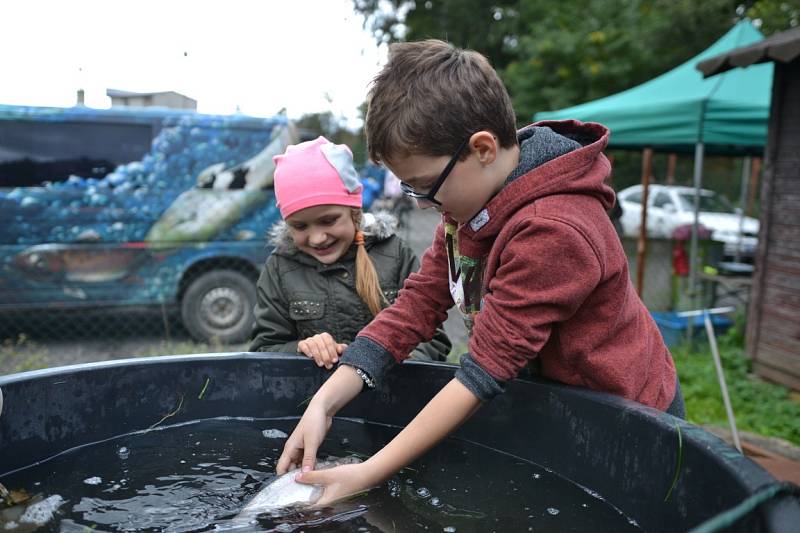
727,518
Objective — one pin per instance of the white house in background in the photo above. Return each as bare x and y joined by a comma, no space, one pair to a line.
169,99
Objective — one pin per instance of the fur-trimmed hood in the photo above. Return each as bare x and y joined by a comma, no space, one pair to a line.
376,227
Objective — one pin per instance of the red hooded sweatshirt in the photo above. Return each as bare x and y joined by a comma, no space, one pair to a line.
552,282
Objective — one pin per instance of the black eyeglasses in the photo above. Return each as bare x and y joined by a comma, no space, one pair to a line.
408,190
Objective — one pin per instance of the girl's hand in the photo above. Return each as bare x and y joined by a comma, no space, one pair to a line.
322,348
339,482
301,447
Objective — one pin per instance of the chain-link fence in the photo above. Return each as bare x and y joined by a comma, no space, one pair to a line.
143,232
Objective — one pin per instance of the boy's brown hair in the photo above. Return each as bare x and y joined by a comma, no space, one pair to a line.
430,97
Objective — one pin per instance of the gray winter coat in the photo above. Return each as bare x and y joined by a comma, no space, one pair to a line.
299,297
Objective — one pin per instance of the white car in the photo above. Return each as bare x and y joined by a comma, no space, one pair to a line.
671,206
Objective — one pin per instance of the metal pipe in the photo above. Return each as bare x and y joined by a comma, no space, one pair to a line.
712,340
742,199
698,181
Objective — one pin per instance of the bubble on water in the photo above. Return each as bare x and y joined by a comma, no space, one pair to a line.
123,452
274,434
409,481
11,525
449,529
553,511
94,480
41,512
422,492
536,476
345,441
284,528
584,505
435,502
633,522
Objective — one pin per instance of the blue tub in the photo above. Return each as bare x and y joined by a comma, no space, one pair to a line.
673,327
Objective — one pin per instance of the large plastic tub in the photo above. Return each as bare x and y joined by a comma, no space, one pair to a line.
626,452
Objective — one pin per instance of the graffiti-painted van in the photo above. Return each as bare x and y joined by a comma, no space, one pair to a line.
137,207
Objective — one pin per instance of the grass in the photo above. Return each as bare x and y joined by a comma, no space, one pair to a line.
759,406
22,353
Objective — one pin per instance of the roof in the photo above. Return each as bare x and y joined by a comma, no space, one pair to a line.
679,109
782,47
116,93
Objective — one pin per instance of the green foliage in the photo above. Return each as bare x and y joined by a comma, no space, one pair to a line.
554,55
326,124
775,15
758,406
21,355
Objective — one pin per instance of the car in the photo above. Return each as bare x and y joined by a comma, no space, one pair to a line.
670,207
123,209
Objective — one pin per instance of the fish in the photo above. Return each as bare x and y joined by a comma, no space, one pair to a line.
221,197
284,492
78,262
254,174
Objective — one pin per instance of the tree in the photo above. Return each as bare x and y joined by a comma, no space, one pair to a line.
312,125
552,55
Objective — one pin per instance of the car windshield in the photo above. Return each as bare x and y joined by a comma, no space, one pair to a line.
709,203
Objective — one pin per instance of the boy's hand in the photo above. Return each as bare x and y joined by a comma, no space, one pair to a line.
322,348
339,482
301,447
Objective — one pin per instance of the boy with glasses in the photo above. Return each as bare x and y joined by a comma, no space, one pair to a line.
525,250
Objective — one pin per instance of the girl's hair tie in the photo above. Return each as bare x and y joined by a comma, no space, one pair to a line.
359,240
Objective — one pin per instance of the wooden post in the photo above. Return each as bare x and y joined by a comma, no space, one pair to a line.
755,170
672,162
641,248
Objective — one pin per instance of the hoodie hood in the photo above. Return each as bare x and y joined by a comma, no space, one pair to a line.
561,157
376,227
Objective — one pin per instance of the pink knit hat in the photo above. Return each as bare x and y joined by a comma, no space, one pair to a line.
314,173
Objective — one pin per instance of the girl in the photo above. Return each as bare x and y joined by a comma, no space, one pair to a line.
333,268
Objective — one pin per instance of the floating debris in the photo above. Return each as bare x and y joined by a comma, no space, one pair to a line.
274,434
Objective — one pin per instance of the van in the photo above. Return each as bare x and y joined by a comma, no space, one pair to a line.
128,208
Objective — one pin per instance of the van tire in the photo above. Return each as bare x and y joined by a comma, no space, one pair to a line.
218,307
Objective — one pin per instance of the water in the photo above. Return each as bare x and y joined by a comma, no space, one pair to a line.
197,476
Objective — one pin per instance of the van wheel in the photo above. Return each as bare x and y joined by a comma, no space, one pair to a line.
218,306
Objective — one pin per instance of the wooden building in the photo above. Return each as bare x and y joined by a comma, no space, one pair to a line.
773,327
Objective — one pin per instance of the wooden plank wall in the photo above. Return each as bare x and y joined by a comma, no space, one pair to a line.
773,329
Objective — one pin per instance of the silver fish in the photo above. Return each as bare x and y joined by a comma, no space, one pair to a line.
284,491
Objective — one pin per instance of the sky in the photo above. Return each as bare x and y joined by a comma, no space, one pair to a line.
258,56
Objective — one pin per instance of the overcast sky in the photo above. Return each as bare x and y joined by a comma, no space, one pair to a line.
259,55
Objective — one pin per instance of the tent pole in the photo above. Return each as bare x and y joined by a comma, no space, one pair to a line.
693,259
746,164
672,161
641,247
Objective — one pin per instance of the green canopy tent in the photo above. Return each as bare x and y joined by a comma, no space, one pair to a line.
682,111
